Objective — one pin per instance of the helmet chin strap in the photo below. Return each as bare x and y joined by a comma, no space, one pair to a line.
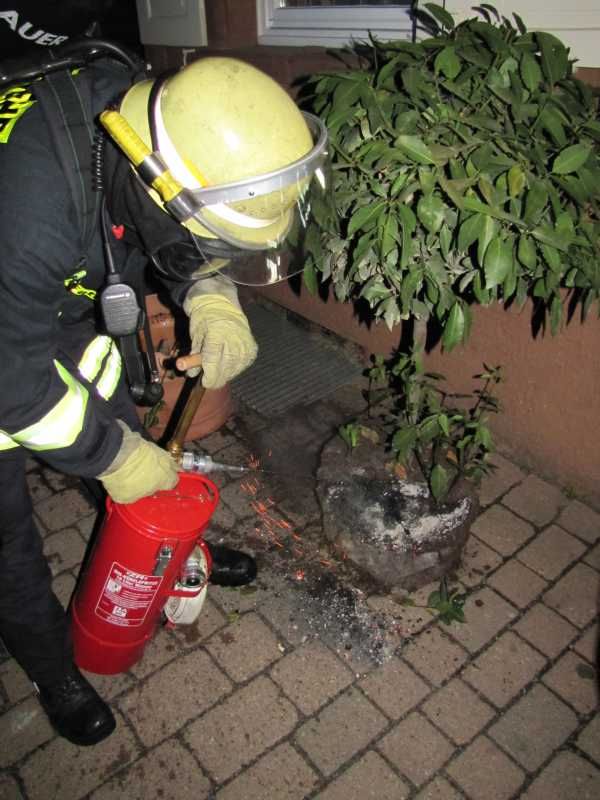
163,145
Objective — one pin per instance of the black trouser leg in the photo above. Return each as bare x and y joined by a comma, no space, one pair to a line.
33,624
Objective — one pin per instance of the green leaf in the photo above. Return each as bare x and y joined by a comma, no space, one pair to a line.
546,235
526,252
445,19
571,158
447,62
430,211
520,24
439,482
398,184
554,56
389,235
409,223
444,424
497,262
535,202
404,440
530,71
454,329
415,148
309,276
516,180
510,282
347,92
488,232
551,257
469,231
445,240
365,217
472,204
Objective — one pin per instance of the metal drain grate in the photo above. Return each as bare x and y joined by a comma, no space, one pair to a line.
294,367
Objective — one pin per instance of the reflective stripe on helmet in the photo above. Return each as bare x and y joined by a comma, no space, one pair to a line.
112,372
63,423
7,442
93,356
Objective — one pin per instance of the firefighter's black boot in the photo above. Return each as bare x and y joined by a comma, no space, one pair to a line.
76,710
230,567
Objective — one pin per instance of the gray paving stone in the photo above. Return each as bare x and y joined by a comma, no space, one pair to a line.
311,675
416,748
23,728
517,583
575,681
486,613
395,688
369,779
551,552
166,772
546,630
534,727
9,788
567,776
458,711
244,647
439,789
501,529
64,509
477,561
110,686
500,480
63,770
333,737
589,739
588,644
535,500
483,771
281,774
161,649
38,488
241,728
63,587
503,670
64,550
581,520
575,595
435,655
14,681
179,692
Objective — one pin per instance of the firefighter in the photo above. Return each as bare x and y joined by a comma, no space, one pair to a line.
233,170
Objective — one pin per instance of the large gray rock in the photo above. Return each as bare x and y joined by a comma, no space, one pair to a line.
389,528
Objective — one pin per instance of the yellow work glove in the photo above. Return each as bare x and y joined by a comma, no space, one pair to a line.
220,334
139,469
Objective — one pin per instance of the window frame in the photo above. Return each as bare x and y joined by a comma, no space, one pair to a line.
328,26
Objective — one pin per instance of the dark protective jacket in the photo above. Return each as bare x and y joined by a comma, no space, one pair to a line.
49,353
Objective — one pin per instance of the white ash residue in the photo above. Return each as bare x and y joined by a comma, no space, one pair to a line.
338,614
393,515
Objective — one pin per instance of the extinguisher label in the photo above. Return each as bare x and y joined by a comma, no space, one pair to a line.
127,596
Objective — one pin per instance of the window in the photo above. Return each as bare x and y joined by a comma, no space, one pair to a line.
331,23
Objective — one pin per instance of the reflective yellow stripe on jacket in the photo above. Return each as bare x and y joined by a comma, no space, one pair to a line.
60,426
94,357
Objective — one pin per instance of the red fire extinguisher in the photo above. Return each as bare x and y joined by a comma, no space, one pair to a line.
149,559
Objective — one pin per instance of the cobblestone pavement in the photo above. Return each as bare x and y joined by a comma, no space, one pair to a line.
304,686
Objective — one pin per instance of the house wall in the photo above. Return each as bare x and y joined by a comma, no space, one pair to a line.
551,395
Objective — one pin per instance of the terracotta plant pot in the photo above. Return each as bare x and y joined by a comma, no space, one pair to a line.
216,405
